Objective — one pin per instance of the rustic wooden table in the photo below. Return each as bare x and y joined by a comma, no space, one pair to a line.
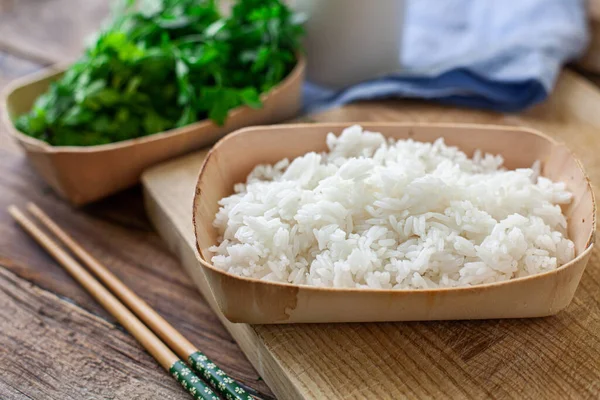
57,343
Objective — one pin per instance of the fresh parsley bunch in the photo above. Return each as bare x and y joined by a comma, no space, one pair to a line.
163,64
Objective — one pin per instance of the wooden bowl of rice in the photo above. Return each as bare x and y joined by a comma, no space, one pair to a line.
258,301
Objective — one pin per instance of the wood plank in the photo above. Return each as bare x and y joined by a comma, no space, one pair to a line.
51,349
51,30
555,357
118,233
12,67
44,32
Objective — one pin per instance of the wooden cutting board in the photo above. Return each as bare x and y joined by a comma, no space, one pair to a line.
555,357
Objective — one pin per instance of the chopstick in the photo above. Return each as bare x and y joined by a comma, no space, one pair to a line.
217,378
165,357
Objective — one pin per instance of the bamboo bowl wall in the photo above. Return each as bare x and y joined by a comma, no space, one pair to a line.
84,174
253,301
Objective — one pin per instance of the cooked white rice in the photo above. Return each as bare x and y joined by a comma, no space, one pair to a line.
377,213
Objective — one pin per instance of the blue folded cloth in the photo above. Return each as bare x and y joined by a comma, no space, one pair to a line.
495,54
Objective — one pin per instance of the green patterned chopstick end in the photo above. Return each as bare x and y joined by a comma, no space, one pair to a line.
191,383
226,386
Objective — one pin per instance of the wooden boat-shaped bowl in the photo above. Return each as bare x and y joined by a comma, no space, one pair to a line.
84,174
259,302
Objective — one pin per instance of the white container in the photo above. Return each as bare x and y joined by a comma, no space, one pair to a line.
349,41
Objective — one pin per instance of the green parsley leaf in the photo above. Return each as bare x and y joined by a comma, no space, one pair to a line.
162,64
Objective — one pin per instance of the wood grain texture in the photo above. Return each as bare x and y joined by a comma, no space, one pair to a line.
259,302
118,221
37,33
555,357
117,233
51,349
12,67
34,34
85,175
50,30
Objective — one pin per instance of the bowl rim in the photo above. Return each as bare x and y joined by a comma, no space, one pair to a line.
283,285
42,146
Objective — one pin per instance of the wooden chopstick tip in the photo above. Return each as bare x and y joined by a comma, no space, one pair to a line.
14,211
31,206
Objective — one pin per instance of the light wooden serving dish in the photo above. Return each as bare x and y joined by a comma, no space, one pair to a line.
259,302
84,174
